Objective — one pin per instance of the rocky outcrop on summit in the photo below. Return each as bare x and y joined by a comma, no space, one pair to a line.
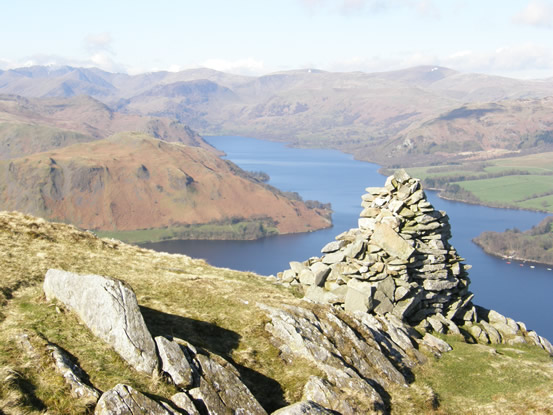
109,309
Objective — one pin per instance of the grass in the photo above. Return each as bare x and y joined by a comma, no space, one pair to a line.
241,230
510,190
490,379
214,309
524,182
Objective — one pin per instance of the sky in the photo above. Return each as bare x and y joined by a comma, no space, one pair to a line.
511,38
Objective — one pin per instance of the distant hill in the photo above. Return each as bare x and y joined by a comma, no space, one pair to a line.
367,114
132,181
478,131
29,125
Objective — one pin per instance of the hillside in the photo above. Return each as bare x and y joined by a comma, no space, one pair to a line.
132,181
378,117
533,245
479,131
39,124
229,320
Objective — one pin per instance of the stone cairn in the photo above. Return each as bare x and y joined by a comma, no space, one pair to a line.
397,261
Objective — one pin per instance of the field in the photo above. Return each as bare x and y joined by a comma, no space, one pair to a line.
524,182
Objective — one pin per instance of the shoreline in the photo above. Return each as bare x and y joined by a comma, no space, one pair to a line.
512,258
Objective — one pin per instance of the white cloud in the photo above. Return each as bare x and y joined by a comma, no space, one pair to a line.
536,13
423,7
98,42
248,66
525,60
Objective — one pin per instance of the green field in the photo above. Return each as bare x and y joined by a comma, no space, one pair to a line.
229,230
524,182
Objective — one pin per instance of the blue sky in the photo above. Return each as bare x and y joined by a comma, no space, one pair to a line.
503,37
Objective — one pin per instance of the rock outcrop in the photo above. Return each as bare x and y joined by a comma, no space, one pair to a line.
124,400
109,309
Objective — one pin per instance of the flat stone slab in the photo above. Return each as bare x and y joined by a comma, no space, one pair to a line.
389,240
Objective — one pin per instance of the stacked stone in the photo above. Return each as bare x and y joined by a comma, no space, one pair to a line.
397,261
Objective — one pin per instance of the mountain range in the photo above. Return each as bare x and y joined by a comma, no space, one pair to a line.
386,117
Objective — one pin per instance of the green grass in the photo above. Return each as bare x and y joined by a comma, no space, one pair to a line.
524,182
241,230
508,189
492,379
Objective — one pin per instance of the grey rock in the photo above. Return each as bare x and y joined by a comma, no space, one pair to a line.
328,396
224,380
288,276
320,271
355,249
184,403
175,363
303,408
297,267
73,376
438,345
306,277
382,304
109,309
358,301
439,285
493,334
332,247
333,258
124,400
401,176
391,242
210,399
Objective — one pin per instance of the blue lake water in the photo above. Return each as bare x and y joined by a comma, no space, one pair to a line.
522,293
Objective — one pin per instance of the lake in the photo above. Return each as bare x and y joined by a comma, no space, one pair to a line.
520,292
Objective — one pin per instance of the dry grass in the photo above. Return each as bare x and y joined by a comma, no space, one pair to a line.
213,309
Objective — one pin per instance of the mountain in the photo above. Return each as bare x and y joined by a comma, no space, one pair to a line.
29,125
131,181
480,131
369,115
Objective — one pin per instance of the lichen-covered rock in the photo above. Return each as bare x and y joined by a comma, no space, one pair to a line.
229,388
74,376
304,408
175,363
109,309
184,403
124,400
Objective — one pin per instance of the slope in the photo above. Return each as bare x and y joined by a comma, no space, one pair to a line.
132,181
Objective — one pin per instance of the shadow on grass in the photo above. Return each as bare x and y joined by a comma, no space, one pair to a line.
219,341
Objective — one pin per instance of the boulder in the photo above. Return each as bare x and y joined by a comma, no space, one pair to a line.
109,309
124,400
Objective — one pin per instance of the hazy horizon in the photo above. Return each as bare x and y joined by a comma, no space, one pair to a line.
248,37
